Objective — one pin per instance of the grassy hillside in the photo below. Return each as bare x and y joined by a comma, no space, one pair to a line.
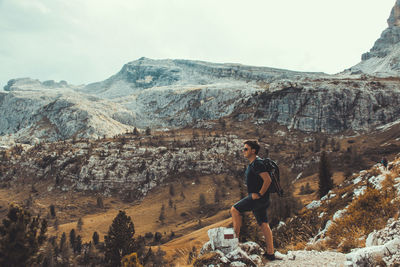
185,222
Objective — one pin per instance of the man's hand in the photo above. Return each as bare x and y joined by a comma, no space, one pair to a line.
255,196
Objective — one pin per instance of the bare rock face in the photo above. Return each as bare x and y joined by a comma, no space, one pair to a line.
389,37
383,58
178,93
328,106
394,19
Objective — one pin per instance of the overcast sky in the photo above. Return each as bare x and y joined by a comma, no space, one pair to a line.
83,41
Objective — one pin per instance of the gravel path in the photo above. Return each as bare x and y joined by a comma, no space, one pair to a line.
310,258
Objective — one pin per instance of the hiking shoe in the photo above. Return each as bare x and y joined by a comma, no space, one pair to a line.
272,257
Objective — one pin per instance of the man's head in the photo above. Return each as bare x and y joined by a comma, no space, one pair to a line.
251,148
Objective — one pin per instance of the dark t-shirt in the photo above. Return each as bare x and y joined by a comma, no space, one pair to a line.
254,181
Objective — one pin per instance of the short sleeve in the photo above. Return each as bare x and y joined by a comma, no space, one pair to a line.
259,167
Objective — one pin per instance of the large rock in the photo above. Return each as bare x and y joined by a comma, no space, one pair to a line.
223,239
224,250
381,245
373,255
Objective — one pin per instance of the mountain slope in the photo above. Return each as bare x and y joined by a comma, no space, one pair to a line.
384,57
31,111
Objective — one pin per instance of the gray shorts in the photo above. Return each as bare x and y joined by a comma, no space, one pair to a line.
257,206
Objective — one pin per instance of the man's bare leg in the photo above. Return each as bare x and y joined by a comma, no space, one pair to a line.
268,237
236,220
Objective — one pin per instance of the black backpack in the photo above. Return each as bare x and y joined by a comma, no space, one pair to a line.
273,171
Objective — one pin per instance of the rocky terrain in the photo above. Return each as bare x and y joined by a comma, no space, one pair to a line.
129,166
382,59
32,111
342,227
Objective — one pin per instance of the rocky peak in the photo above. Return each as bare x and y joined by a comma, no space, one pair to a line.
383,58
394,19
389,37
145,73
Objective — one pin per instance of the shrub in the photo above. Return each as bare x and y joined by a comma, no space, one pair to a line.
21,236
365,214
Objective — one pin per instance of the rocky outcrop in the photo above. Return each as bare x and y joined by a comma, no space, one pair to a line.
389,37
220,251
127,166
381,246
31,111
224,249
328,106
383,58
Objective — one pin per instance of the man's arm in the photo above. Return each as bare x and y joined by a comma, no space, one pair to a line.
266,182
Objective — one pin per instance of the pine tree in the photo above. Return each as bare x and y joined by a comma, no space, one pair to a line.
100,202
78,245
56,224
325,175
119,240
52,211
162,214
217,195
21,236
95,238
308,189
171,190
148,131
202,200
63,241
72,238
79,224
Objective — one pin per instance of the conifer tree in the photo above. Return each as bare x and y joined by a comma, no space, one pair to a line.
95,238
162,214
72,238
79,224
119,240
21,236
78,245
100,203
217,195
63,241
148,131
171,190
325,175
202,200
52,211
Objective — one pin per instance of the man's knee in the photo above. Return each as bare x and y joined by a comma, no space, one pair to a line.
234,211
264,225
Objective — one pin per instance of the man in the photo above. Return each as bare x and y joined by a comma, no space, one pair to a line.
384,162
257,201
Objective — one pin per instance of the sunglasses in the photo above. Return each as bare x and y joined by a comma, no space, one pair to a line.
245,149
